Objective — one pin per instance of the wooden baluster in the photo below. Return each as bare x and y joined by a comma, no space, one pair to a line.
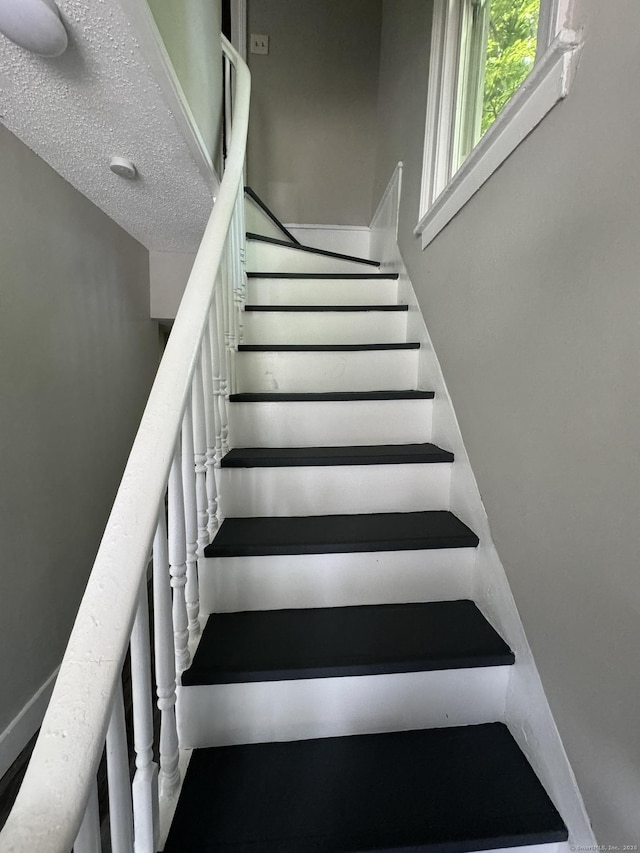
88,837
217,380
216,361
237,220
230,318
242,260
165,662
243,227
226,314
223,320
200,457
210,412
233,244
120,807
221,306
192,595
144,788
178,565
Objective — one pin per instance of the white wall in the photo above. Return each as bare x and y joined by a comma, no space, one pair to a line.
168,274
191,34
531,298
78,354
526,710
346,239
311,134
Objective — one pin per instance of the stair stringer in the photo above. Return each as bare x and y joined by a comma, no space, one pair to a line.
527,712
260,220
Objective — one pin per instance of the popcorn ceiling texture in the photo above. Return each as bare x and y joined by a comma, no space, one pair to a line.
97,100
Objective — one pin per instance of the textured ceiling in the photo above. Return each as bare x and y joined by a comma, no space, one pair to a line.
97,100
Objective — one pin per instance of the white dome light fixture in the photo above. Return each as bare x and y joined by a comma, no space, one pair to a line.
34,25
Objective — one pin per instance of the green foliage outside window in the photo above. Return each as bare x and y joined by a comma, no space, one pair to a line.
511,51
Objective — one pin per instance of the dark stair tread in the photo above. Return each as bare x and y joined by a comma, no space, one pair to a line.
329,642
325,309
448,790
325,275
256,198
326,347
327,396
259,238
332,534
376,454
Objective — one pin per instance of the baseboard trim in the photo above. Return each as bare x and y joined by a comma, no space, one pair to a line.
22,728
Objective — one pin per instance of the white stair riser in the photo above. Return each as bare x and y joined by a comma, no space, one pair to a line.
231,584
290,291
333,424
365,370
300,709
268,257
324,327
256,221
333,489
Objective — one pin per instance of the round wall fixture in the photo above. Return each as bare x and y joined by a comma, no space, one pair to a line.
123,167
34,25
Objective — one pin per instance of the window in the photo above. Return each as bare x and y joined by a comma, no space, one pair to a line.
497,52
510,53
497,67
471,74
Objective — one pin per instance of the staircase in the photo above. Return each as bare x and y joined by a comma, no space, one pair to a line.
346,693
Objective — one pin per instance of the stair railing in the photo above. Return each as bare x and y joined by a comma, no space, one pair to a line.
167,505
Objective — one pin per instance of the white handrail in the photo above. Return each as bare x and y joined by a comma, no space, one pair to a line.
50,806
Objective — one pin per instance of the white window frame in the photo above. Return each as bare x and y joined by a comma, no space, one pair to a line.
550,80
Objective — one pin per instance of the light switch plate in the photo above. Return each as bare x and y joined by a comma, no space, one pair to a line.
259,44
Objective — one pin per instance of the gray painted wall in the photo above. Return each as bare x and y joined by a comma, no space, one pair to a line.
531,296
77,357
190,31
311,134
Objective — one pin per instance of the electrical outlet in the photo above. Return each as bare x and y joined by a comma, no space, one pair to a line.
259,44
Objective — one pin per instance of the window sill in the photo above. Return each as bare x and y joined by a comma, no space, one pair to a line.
548,83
